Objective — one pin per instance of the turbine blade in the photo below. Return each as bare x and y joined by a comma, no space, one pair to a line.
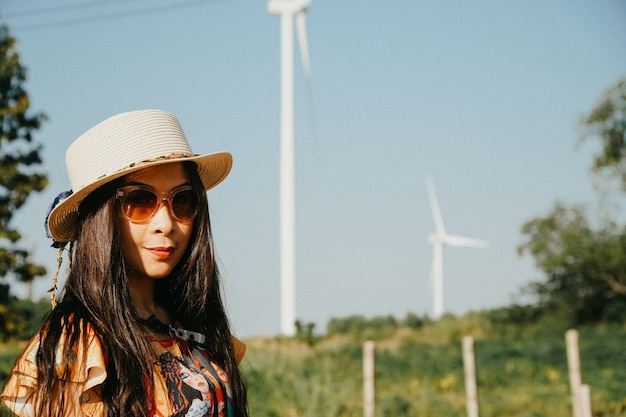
434,207
453,240
303,43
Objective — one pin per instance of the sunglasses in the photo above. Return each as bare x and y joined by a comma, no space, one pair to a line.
140,204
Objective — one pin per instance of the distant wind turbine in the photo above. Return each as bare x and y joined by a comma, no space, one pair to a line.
288,9
438,239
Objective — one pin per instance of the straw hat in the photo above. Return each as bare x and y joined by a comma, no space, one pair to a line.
123,144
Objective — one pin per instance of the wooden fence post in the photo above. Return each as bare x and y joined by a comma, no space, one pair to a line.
369,393
585,400
471,389
573,364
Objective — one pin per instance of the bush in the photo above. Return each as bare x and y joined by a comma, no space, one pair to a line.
360,328
21,319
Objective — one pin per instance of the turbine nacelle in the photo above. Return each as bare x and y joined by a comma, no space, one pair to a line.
288,9
287,6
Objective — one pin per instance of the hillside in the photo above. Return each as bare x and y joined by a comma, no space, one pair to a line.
521,371
521,368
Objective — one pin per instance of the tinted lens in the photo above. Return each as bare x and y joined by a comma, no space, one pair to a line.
184,204
139,204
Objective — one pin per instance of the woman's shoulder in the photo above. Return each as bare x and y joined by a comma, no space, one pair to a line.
77,353
79,361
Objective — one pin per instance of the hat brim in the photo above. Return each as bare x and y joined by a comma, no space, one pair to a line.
63,220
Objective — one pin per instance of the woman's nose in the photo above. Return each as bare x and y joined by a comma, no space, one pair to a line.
163,221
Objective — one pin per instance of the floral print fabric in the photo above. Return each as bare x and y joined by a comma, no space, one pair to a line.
181,385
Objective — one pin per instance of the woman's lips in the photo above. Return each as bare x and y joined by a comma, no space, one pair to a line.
161,252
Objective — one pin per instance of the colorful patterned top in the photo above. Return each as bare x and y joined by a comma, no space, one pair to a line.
182,385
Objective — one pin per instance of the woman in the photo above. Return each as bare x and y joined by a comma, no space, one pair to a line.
142,295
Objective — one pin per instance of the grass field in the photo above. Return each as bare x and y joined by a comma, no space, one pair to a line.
521,371
420,373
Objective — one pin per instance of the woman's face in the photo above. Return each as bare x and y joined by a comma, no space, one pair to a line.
152,248
194,380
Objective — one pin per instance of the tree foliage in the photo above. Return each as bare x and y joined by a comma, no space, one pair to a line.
607,123
19,155
585,268
21,319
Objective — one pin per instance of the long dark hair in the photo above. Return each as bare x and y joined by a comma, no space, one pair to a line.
96,296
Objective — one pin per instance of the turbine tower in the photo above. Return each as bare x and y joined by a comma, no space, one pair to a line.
438,239
288,9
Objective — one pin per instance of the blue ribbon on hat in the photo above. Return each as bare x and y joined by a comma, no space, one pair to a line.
57,200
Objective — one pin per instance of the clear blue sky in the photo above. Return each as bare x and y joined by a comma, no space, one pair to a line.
485,96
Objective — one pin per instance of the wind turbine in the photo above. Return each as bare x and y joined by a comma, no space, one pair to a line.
438,239
288,9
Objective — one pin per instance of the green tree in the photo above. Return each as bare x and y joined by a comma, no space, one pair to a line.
607,123
19,156
585,268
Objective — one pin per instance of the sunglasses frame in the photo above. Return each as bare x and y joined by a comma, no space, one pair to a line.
122,192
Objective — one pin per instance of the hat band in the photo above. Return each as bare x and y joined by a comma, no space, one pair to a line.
157,159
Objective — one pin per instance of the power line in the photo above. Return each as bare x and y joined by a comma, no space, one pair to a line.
105,16
62,9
